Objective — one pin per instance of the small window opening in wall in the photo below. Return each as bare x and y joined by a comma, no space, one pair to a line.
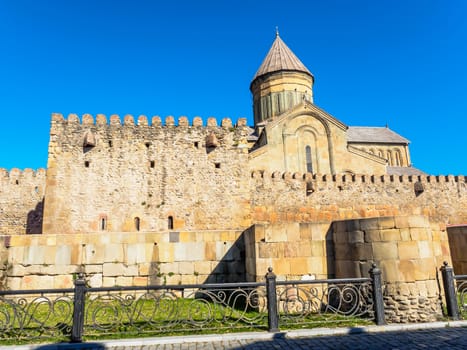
110,143
86,163
196,144
137,223
17,182
152,164
103,224
309,164
170,222
217,165
36,189
147,144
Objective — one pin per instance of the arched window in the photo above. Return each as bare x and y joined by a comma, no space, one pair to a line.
170,222
309,165
137,223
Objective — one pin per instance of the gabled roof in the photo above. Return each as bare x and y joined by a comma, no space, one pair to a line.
280,58
404,170
368,134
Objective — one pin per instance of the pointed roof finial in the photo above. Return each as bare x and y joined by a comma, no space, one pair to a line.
277,31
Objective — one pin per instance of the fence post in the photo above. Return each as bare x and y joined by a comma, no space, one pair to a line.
450,291
271,296
378,302
78,310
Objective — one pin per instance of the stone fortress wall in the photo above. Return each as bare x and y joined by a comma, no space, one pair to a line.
106,176
111,189
21,201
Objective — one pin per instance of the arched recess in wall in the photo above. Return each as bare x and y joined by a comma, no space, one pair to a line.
308,153
296,136
389,157
397,157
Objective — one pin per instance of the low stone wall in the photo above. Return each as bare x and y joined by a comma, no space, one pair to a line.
408,250
121,259
457,235
294,251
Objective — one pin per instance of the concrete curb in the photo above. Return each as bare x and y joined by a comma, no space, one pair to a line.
209,338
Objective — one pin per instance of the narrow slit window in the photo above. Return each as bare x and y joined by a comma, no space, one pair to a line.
170,222
86,163
196,144
309,164
110,143
152,164
103,224
137,223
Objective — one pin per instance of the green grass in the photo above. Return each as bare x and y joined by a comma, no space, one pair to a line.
114,317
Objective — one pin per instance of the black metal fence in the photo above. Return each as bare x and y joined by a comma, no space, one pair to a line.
455,292
71,314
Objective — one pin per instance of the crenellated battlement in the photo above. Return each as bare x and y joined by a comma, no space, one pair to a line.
26,174
142,120
359,178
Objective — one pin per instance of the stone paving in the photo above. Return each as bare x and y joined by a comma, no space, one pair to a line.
440,335
448,338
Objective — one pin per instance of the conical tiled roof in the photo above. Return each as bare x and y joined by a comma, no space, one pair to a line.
280,58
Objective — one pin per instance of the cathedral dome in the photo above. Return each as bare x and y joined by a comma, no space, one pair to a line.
280,58
281,82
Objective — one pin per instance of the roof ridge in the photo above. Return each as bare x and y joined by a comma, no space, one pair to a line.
279,58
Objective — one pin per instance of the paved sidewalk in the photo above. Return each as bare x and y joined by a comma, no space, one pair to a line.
437,335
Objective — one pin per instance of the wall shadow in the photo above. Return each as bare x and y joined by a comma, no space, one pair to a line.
71,346
35,218
360,338
231,268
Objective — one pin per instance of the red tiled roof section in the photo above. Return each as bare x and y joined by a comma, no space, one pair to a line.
280,58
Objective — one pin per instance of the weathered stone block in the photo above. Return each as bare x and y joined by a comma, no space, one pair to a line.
17,270
305,231
136,253
408,269
425,249
63,281
387,222
372,236
63,255
186,268
384,250
390,270
355,236
408,250
108,282
390,235
113,269
276,233
34,255
203,267
369,224
113,253
95,281
418,221
93,254
299,266
123,281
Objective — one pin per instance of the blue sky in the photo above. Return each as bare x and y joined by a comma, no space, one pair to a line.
401,63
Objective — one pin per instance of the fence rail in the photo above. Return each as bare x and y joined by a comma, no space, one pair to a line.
71,314
455,292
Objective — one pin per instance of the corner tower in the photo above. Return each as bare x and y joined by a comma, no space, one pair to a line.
281,82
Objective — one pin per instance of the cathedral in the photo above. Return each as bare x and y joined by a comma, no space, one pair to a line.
297,136
150,200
